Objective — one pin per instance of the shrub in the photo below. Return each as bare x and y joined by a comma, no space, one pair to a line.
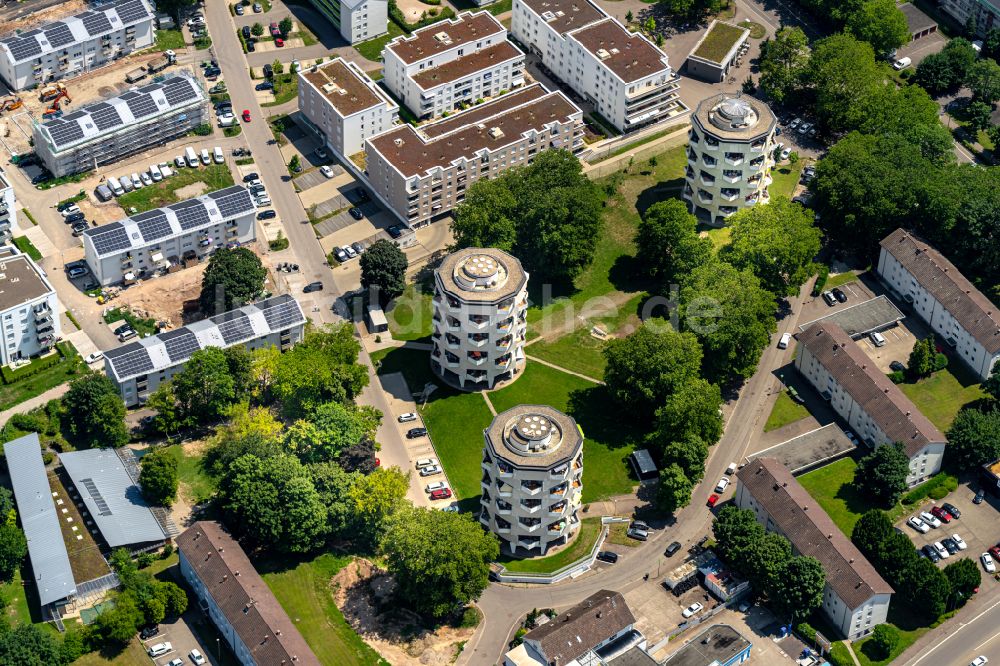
145,559
279,243
48,457
839,655
806,631
821,278
168,550
897,377
940,361
884,639
202,130
937,487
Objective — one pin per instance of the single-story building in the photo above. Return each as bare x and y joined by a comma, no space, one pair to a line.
918,23
643,466
375,318
716,51
719,645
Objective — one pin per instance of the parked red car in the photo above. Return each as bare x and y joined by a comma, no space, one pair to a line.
941,514
712,499
443,493
279,42
995,552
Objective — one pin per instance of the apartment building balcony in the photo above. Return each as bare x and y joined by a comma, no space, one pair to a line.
453,324
558,508
757,164
708,160
504,342
558,472
504,508
706,178
687,192
503,361
705,197
451,359
503,526
758,146
729,193
531,487
46,340
732,176
735,159
504,489
692,158
557,528
479,321
711,143
452,340
42,312
477,339
531,505
484,518
559,491
529,524
688,172
477,358
529,543
726,211
504,470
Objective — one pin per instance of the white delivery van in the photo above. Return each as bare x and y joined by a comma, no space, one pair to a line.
218,156
191,157
116,187
155,173
126,182
786,338
206,159
902,63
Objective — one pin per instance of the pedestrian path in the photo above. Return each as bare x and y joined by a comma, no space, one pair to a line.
562,369
39,239
37,401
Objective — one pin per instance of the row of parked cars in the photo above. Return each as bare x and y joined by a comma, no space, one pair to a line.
259,194
72,215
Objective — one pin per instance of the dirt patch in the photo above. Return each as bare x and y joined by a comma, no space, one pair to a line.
24,23
414,9
162,298
363,593
191,191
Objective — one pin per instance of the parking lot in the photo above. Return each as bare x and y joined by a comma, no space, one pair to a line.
182,642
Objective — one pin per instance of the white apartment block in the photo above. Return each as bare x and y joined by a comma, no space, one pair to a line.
956,311
164,239
138,368
480,318
76,44
29,308
8,209
986,13
624,75
344,106
875,408
110,130
357,20
422,173
532,479
730,155
452,63
856,598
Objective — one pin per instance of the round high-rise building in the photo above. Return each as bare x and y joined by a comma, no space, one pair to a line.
480,311
532,478
730,155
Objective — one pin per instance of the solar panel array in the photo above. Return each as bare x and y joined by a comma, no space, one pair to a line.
102,505
236,327
64,132
153,225
181,347
233,201
191,214
131,11
96,23
105,116
282,315
134,361
59,35
178,90
109,238
25,46
141,105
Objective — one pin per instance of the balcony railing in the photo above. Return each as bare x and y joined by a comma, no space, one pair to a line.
708,160
732,176
706,178
729,194
735,159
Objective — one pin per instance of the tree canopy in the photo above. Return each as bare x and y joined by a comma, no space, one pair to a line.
797,588
882,474
692,411
946,70
94,412
375,498
205,387
783,63
383,266
668,243
232,278
158,477
674,491
330,429
881,24
322,368
974,438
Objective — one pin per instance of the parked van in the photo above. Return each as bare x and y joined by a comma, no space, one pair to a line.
191,157
731,469
155,173
116,187
217,154
206,159
877,339
783,343
103,193
902,63
126,183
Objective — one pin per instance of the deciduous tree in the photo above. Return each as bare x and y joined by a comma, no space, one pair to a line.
884,640
974,438
669,247
768,559
692,411
798,587
13,548
204,388
783,63
167,419
983,79
737,533
158,477
334,484
322,368
383,266
29,645
674,491
376,497
329,429
285,25
232,278
964,577
689,453
882,473
871,531
881,24
94,412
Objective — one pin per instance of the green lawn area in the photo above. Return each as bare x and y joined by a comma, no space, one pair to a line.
196,484
215,176
718,42
24,244
941,395
910,628
286,87
169,39
410,315
607,441
590,530
132,654
143,327
497,8
55,372
785,411
832,488
719,237
785,178
15,609
841,279
304,592
372,49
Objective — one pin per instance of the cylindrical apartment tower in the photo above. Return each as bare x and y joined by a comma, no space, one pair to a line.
480,310
532,478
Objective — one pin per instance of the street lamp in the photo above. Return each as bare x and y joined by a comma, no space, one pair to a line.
218,648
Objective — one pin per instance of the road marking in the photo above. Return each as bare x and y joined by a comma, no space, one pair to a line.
976,649
961,626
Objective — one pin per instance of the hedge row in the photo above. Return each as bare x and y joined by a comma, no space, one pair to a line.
37,366
937,487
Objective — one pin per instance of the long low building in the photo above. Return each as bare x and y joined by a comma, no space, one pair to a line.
856,598
112,129
76,44
138,368
423,173
959,313
877,410
162,238
238,601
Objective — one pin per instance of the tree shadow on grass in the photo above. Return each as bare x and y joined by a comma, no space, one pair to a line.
590,408
855,501
666,189
626,275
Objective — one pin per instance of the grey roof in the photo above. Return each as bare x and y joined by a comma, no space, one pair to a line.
862,318
174,347
969,306
916,20
112,497
21,281
184,217
46,548
72,30
716,645
576,631
94,121
644,462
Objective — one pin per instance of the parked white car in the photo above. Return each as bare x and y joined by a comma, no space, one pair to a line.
197,657
692,610
407,417
441,485
426,462
160,649
988,563
94,357
723,484
930,519
918,525
959,541
941,550
326,170
430,470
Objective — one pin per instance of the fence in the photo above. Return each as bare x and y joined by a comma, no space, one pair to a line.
572,569
677,137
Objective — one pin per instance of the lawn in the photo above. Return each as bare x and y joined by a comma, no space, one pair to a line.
215,176
132,654
372,49
304,592
15,601
24,244
590,530
910,628
785,411
941,395
169,39
718,42
143,327
53,374
196,484
833,489
410,315
785,178
720,237
497,8
286,87
607,441
841,279
618,534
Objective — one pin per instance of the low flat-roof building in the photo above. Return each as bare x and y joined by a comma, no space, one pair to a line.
344,106
918,23
597,629
46,549
29,308
810,450
238,601
860,319
423,173
138,368
716,51
963,316
719,645
856,598
166,238
452,63
643,466
877,410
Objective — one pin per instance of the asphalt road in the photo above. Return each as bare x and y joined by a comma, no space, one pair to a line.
960,640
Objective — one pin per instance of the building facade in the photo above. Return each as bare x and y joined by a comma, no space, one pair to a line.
730,155
164,239
138,368
8,209
452,63
856,598
532,479
357,20
422,173
76,44
480,318
238,601
961,315
110,130
986,13
29,308
344,106
624,75
875,408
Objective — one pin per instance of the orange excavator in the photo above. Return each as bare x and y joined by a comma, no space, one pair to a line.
55,111
52,92
10,104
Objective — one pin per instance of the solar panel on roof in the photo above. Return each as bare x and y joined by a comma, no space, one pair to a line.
282,315
105,116
27,47
181,347
191,214
96,23
59,34
131,11
102,505
153,225
112,240
179,89
64,133
235,201
141,106
135,362
236,329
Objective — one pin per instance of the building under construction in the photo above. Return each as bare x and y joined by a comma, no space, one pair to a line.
110,130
